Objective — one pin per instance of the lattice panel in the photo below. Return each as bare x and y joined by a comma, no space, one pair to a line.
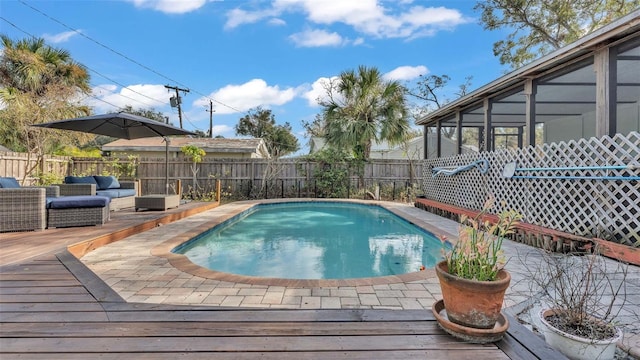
604,208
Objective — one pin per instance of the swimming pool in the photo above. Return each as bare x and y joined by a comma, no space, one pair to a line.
314,240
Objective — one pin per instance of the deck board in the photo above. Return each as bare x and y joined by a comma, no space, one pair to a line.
223,343
323,355
53,307
158,329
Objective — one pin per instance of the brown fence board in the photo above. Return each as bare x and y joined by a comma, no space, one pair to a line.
151,171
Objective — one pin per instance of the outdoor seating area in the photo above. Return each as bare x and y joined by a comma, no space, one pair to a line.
80,201
37,208
121,193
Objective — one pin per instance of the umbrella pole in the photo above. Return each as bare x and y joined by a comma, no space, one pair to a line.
166,166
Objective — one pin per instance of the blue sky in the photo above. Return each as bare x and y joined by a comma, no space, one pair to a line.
242,54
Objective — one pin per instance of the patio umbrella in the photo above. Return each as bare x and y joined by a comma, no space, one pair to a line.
123,126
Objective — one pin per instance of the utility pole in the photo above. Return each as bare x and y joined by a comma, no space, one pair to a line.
211,111
176,100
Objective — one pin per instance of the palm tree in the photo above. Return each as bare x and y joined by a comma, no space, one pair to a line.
364,108
30,65
38,83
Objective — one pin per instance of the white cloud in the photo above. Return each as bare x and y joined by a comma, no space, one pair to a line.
438,17
61,37
406,73
222,130
170,6
317,38
153,95
246,96
318,90
237,17
368,17
277,22
138,96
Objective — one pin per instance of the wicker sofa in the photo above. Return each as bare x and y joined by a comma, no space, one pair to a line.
122,193
37,208
23,208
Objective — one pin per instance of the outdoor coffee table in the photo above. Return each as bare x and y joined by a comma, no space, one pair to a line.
157,202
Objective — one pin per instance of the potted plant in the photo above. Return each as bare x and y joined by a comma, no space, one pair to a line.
581,299
472,278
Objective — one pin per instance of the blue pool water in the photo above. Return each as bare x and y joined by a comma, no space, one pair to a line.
314,240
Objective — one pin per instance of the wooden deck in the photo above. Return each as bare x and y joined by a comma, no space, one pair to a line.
53,307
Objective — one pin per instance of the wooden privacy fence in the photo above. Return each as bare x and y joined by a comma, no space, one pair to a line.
260,178
588,187
13,164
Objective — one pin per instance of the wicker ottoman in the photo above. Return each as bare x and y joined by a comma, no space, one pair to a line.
157,202
68,211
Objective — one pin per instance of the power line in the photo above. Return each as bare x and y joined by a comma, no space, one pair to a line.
126,87
92,70
124,56
102,100
105,101
121,95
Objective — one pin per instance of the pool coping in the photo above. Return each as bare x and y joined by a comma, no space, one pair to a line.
182,263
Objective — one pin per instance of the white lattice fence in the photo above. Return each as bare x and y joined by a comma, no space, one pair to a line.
601,207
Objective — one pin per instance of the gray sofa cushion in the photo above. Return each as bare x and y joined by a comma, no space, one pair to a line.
116,193
106,182
9,183
82,201
80,180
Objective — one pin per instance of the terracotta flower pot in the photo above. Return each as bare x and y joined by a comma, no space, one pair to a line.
472,303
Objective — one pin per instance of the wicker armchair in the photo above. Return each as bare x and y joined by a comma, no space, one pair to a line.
24,209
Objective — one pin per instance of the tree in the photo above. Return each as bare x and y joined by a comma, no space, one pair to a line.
542,26
149,113
332,173
201,134
196,155
362,108
39,83
430,90
315,127
261,123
